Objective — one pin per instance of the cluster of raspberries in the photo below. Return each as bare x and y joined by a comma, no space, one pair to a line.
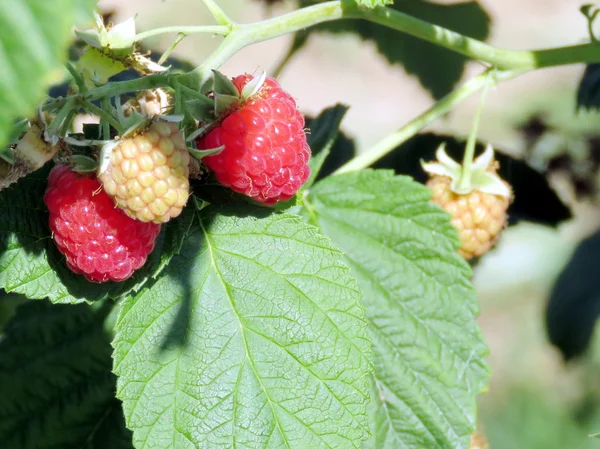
106,224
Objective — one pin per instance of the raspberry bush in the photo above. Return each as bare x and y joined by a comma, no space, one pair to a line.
192,278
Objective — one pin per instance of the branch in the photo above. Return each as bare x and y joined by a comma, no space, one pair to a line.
503,59
245,35
215,29
217,12
122,87
391,142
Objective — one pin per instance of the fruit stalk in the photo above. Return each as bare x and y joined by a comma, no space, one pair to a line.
217,12
464,182
60,117
392,141
104,115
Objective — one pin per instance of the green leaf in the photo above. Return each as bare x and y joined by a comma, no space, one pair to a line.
8,304
254,338
223,85
200,110
34,38
324,130
341,151
31,265
56,385
438,69
419,302
588,91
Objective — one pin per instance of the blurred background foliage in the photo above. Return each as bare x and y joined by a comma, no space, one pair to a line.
540,288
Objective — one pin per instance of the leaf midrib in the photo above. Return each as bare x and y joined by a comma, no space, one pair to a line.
245,341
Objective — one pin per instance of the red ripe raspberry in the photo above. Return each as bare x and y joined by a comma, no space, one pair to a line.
266,153
98,240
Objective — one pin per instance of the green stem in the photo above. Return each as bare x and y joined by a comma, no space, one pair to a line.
212,29
195,94
77,77
122,87
591,28
103,113
178,99
245,35
168,51
503,59
291,51
66,125
61,115
391,142
465,175
54,104
217,12
474,49
105,117
590,12
201,74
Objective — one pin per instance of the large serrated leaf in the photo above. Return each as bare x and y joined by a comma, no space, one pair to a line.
31,265
419,302
34,36
56,385
253,338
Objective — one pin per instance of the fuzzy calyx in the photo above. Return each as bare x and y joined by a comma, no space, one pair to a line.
227,96
481,177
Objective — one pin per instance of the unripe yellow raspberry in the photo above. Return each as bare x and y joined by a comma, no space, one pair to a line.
477,199
478,216
147,174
